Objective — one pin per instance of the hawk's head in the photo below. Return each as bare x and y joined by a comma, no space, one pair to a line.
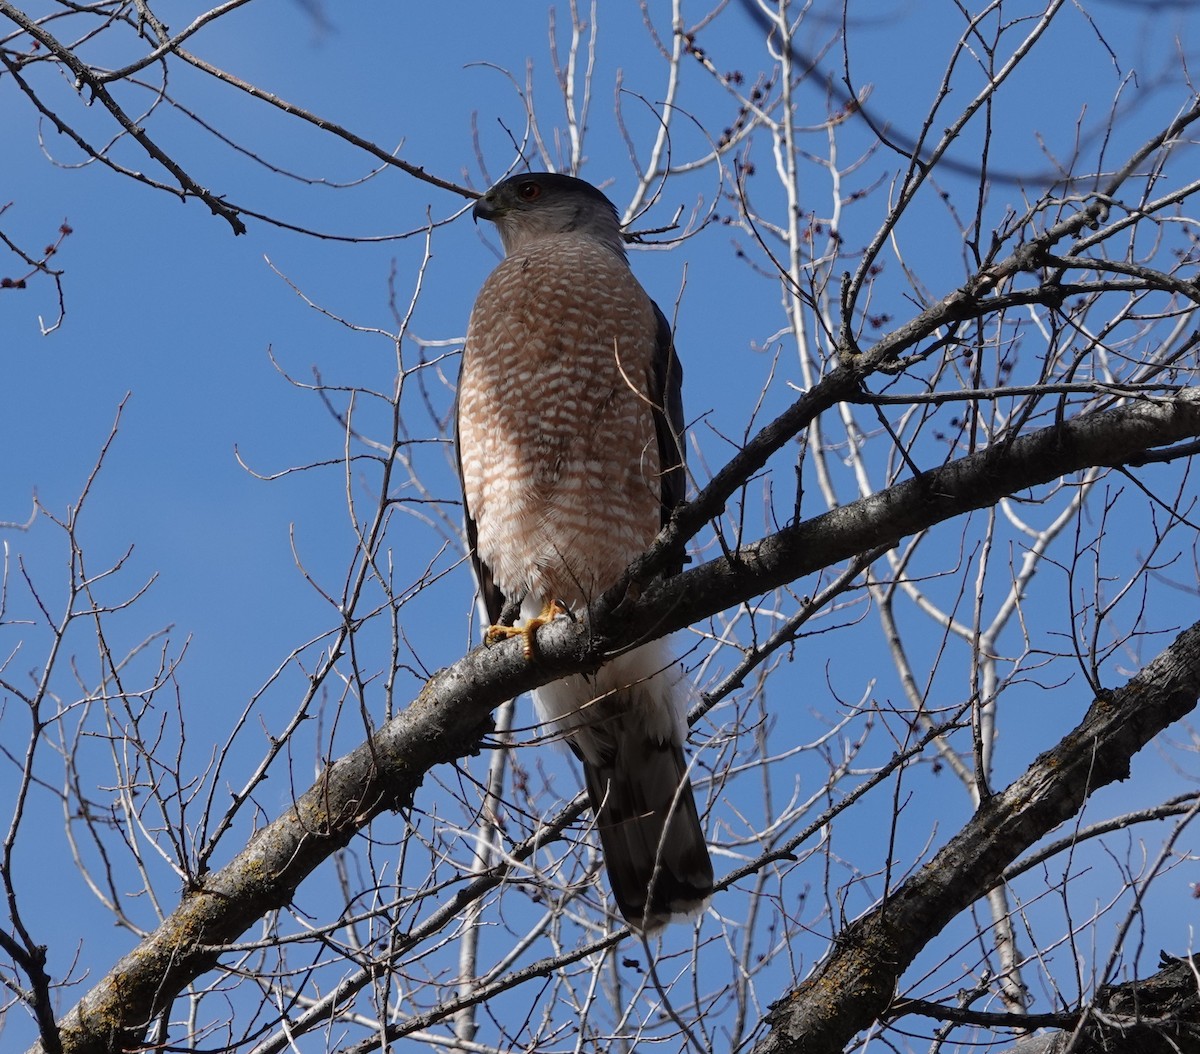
537,205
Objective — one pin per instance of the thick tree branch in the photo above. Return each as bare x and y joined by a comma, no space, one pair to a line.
1112,437
1148,1015
447,720
856,983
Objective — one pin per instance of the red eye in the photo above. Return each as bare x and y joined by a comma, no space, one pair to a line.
529,191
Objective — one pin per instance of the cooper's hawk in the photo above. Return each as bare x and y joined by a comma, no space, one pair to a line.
569,444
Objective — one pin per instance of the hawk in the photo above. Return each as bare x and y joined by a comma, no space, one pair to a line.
569,430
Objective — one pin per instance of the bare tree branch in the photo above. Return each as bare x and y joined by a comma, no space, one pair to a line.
453,713
856,983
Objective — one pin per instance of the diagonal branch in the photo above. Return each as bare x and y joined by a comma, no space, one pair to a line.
451,714
855,984
84,75
1108,438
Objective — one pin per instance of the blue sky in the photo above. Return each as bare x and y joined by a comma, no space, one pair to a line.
171,316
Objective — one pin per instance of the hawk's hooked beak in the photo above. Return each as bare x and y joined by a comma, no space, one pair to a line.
485,208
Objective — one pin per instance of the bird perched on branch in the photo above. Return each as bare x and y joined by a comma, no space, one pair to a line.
569,430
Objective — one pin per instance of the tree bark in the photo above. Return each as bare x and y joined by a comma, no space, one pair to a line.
1159,1014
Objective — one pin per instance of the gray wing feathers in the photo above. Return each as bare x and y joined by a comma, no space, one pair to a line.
667,395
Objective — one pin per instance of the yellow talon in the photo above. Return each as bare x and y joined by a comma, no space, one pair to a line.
526,630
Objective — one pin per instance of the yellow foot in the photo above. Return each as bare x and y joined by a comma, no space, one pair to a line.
551,611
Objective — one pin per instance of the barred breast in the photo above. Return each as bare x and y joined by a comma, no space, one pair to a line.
559,454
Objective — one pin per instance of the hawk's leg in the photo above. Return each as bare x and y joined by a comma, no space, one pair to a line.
549,613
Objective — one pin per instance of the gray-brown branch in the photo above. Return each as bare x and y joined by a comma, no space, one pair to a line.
855,984
453,711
